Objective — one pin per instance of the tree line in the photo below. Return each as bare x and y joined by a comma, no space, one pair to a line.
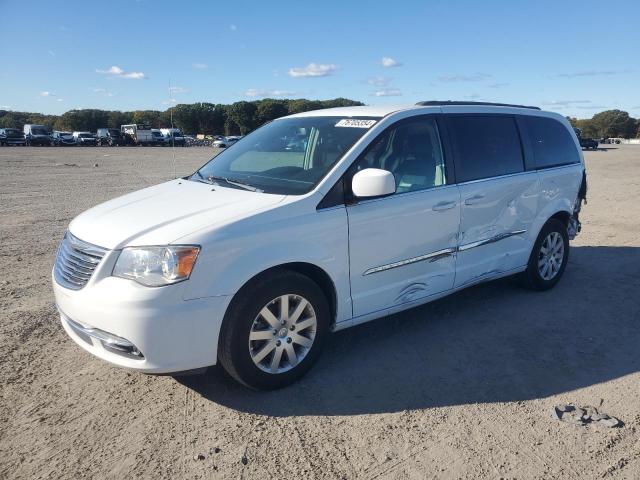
608,124
238,118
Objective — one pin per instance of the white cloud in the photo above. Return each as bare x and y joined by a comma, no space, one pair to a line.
589,73
475,77
233,27
389,62
59,100
253,92
565,103
387,92
200,66
118,72
171,101
313,70
379,81
6,107
51,52
498,85
174,90
103,91
47,94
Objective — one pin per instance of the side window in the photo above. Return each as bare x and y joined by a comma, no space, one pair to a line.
551,142
485,146
410,150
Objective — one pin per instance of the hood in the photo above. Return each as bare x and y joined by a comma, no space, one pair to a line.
161,214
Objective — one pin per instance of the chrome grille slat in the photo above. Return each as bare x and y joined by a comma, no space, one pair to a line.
72,273
77,284
80,256
76,261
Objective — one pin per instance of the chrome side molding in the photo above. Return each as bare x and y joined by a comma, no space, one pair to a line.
435,256
497,238
447,252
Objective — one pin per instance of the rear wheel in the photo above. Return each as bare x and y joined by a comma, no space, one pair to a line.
549,257
274,330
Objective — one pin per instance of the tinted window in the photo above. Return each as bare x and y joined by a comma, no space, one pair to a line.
485,146
411,151
551,142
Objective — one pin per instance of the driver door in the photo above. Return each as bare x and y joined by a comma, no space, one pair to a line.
402,247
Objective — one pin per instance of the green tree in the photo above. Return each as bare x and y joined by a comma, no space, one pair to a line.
614,123
243,114
269,109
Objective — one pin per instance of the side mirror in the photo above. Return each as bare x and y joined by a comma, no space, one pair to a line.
373,182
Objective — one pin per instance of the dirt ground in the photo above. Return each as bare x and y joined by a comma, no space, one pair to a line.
460,388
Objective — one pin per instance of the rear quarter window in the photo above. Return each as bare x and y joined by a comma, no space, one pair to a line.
485,146
551,142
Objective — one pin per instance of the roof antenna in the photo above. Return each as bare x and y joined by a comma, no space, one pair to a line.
173,141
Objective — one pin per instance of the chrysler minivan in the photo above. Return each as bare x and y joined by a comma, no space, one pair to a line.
257,256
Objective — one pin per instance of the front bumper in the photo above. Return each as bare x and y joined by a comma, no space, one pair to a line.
152,330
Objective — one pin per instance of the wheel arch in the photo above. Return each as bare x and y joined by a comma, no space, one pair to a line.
560,211
309,270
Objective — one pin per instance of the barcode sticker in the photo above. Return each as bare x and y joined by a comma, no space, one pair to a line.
355,123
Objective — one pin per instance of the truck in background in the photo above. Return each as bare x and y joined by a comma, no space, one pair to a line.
138,134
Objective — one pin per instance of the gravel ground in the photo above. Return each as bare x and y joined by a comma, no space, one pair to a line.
460,388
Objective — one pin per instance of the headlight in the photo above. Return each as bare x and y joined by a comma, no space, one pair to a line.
156,266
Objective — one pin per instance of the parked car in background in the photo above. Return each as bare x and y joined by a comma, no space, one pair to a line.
63,139
255,258
11,136
85,139
138,134
109,137
158,138
225,142
36,134
588,143
174,136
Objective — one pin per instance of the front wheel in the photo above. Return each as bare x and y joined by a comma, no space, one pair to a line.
549,257
274,330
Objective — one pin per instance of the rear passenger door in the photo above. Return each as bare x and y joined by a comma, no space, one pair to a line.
498,196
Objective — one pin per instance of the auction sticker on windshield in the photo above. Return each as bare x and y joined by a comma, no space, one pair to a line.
355,123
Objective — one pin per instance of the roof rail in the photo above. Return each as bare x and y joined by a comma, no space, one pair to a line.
443,103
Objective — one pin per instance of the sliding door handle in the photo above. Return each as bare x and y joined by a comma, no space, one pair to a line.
439,207
475,199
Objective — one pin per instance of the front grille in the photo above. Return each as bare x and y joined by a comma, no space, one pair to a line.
75,262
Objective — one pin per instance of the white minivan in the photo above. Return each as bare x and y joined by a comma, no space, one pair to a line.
253,259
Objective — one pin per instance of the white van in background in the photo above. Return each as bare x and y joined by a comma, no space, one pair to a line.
253,259
35,134
138,134
174,136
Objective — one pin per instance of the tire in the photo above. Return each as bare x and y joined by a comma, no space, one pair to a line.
244,359
544,270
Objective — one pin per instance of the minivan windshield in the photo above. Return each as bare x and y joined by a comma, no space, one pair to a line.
287,156
39,131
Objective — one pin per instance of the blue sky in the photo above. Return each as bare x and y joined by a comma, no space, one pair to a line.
574,57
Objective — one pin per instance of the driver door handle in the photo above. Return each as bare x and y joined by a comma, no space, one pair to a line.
439,207
475,199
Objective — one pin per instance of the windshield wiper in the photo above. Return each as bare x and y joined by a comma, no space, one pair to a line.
234,182
202,179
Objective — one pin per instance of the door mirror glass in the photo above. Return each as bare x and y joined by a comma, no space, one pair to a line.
373,182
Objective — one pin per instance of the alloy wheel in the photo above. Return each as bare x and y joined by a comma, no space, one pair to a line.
282,333
551,256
